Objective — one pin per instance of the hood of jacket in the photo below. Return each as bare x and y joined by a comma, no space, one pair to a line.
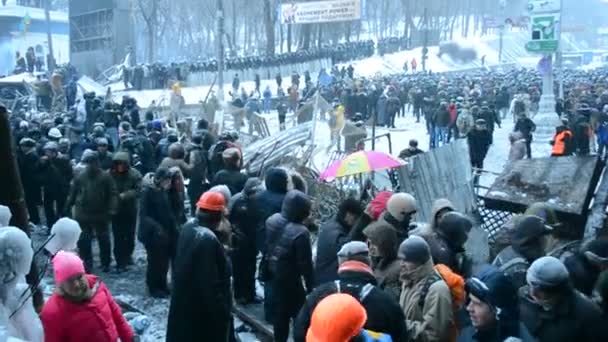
276,180
384,236
442,204
296,206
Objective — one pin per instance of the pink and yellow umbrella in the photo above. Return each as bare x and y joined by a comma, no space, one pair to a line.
360,162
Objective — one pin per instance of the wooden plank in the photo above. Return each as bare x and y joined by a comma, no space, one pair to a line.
427,178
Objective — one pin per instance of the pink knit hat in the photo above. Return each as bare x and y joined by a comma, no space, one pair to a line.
66,265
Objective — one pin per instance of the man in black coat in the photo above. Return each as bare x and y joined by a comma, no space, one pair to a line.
289,260
231,175
526,126
201,300
553,311
270,201
332,236
479,143
243,212
586,265
356,278
157,231
28,161
57,173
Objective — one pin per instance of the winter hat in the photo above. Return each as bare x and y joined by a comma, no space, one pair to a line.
27,142
252,186
493,287
212,201
337,318
5,215
455,227
101,142
597,251
55,133
231,153
89,156
400,205
223,190
378,204
542,210
51,146
354,250
161,174
415,249
529,228
547,272
15,251
67,265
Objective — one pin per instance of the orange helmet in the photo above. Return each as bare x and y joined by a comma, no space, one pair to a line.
337,318
212,201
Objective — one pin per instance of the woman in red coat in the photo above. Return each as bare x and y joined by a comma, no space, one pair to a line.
82,308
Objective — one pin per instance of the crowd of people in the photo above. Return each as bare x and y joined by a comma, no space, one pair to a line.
121,175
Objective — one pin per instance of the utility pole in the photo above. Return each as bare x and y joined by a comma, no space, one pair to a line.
49,36
220,60
425,49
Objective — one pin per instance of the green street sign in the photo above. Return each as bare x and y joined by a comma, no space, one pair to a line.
542,46
545,26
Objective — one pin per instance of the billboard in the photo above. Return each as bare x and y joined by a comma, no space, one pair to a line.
320,11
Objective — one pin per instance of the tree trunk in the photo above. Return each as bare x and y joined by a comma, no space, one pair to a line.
234,25
269,23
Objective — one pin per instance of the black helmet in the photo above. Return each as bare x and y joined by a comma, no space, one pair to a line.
455,227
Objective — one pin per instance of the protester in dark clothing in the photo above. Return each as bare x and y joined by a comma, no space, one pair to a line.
289,260
56,172
231,175
526,126
332,236
493,309
553,311
528,241
128,185
270,201
585,266
157,231
480,140
492,118
243,213
28,161
94,198
198,177
105,157
411,151
356,278
201,300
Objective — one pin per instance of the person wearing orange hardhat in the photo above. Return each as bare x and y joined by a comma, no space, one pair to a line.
337,318
201,298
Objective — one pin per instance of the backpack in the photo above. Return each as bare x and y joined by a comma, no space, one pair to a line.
456,285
